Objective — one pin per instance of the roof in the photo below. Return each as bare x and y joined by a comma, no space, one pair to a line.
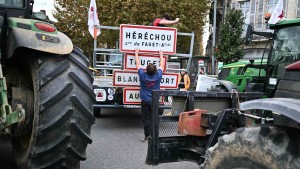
242,63
285,22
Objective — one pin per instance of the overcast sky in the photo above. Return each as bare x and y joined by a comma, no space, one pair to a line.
47,5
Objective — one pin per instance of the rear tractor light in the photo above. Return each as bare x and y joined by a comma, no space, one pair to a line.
45,27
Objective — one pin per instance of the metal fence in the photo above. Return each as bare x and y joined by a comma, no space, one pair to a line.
164,127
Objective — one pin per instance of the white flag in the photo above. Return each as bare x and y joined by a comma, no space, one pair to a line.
93,20
277,13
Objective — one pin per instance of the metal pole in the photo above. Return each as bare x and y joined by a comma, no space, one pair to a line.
191,53
94,53
214,39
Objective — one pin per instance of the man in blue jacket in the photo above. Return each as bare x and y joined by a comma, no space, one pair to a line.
149,80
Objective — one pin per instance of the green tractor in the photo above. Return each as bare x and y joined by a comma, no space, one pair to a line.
243,74
240,76
46,90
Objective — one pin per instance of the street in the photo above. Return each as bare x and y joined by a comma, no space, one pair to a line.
116,144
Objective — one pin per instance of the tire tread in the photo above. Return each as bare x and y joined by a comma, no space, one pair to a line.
63,122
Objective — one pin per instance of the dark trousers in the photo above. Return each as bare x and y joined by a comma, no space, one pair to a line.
146,115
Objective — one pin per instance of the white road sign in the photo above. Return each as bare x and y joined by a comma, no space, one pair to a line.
103,81
132,96
131,79
147,38
129,61
100,95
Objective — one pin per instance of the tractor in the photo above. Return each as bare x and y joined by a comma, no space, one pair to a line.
239,76
242,73
225,130
46,90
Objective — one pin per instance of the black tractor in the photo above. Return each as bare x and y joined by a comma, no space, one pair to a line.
237,130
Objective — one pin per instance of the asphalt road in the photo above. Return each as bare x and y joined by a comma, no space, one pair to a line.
116,144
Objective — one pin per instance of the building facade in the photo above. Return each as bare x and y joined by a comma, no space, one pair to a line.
254,12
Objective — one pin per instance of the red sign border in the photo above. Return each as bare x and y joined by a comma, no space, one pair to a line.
147,55
147,27
124,71
124,95
131,88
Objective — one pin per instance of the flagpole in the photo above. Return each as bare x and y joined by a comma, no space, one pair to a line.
95,46
94,52
95,32
214,39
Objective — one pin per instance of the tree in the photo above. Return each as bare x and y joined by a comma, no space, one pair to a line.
71,18
230,47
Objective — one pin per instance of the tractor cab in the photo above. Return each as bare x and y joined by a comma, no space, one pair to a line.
19,9
285,51
16,8
13,3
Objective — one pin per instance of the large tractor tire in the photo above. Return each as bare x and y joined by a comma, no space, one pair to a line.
262,147
57,129
97,112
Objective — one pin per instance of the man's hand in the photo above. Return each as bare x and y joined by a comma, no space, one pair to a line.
161,55
137,60
137,50
177,19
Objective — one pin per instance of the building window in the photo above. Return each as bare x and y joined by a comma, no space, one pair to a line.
245,6
271,5
298,9
252,12
260,15
233,5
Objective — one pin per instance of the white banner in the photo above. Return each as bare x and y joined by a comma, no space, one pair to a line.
277,13
93,20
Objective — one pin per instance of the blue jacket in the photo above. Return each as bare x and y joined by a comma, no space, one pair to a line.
149,83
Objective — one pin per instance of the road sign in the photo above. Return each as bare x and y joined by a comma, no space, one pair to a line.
129,61
103,81
131,79
147,38
132,96
100,95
